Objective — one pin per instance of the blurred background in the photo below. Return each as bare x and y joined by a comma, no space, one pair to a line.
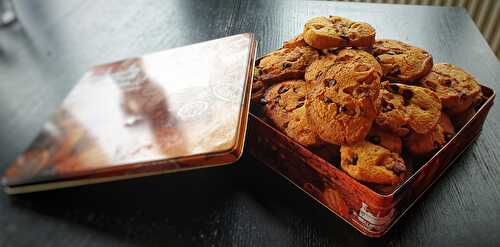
485,13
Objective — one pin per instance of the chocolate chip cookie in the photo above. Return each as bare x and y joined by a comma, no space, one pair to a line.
286,63
371,163
283,103
334,31
404,108
258,86
457,89
424,144
342,90
364,70
402,62
384,138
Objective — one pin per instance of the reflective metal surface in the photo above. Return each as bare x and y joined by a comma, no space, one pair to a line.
181,108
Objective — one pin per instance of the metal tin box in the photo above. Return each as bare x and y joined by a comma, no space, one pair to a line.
371,210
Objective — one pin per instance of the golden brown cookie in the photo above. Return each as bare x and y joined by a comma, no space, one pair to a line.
297,41
424,144
286,63
457,89
334,31
384,138
404,108
341,96
284,105
258,87
371,163
464,117
402,62
365,70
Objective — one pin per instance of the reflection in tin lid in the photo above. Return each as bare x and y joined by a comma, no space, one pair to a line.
173,110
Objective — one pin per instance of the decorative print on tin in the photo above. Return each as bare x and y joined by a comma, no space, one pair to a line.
371,209
173,110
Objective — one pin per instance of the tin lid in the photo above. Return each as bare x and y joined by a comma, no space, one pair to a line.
174,110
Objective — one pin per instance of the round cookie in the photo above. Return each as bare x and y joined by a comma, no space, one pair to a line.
385,139
284,105
364,70
402,62
424,144
371,163
457,89
334,31
286,63
342,90
404,108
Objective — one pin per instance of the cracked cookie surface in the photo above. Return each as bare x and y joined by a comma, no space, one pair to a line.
334,31
404,108
424,144
286,63
457,89
342,90
371,163
284,104
400,61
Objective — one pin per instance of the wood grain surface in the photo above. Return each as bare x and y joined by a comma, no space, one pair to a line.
245,204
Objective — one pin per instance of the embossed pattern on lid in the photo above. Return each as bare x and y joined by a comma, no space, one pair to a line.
173,110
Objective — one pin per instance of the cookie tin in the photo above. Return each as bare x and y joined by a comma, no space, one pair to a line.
371,210
175,110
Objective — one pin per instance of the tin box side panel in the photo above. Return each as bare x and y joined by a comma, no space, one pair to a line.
429,173
357,204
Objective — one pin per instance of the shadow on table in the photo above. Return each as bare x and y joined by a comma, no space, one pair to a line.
243,204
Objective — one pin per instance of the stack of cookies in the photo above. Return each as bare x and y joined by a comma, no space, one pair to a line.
383,102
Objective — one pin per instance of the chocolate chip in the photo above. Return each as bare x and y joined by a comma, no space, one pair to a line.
299,105
331,83
286,65
395,71
386,106
344,37
374,139
282,90
327,100
394,88
342,109
353,159
398,168
302,98
447,82
407,95
263,101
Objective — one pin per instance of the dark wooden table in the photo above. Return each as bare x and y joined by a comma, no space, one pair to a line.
244,204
